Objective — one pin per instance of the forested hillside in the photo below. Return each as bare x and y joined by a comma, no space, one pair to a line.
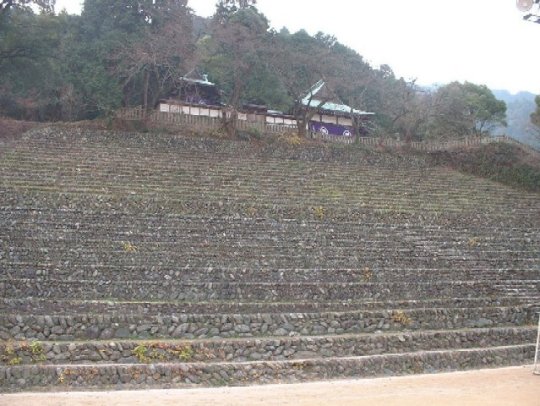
520,106
132,53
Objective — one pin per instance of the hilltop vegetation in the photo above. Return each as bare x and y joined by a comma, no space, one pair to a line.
501,162
520,126
128,53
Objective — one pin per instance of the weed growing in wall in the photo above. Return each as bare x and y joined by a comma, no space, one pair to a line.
400,317
367,275
141,353
129,247
251,211
160,352
291,139
319,212
184,353
474,242
14,354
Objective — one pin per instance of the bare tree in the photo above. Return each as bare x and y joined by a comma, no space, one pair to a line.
301,64
237,41
162,54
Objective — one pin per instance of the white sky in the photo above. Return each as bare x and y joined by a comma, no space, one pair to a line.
435,41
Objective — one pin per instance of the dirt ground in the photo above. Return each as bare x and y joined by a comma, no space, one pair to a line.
506,386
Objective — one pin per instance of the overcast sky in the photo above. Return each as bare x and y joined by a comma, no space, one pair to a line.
434,41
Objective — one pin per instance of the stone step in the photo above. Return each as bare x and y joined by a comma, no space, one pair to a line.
254,191
124,166
29,206
79,153
166,375
206,166
110,272
209,167
476,219
120,166
105,326
86,143
126,258
163,232
260,349
98,227
254,176
273,203
257,195
517,288
99,151
275,242
276,235
175,263
253,291
43,307
256,198
73,209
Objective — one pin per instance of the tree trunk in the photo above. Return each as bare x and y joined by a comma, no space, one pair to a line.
302,127
229,123
302,119
145,91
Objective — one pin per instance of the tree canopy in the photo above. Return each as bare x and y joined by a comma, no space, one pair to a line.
461,109
133,52
46,6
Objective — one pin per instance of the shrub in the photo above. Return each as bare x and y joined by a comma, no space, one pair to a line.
501,162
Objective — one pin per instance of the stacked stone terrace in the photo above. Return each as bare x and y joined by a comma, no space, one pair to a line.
131,260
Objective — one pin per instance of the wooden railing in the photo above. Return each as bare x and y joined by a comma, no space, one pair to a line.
422,146
182,120
443,145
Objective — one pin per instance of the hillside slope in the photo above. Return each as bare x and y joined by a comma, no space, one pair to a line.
147,260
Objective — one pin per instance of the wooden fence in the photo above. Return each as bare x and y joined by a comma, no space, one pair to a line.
182,120
428,146
333,138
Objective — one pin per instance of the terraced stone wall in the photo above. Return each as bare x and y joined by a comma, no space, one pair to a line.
182,375
253,349
153,260
105,327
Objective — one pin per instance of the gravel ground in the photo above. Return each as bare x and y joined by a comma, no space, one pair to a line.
506,386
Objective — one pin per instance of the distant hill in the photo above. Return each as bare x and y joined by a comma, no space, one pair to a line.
519,108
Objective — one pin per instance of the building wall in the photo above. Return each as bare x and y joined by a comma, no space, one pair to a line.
207,111
211,111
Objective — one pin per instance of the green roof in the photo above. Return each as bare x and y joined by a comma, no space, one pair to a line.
312,102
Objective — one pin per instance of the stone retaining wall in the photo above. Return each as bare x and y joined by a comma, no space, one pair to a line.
116,273
182,291
261,349
189,326
17,378
43,307
231,263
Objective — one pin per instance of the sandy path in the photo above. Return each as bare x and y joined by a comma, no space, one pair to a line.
507,386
